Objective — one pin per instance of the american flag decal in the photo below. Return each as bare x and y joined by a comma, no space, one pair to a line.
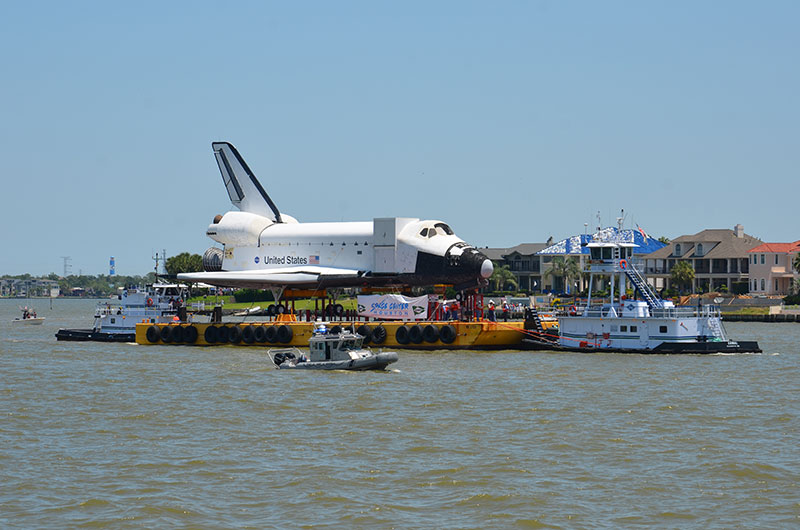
313,260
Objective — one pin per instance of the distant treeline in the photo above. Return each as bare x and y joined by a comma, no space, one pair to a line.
93,286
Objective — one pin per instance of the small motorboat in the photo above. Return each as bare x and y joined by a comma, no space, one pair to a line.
28,317
332,351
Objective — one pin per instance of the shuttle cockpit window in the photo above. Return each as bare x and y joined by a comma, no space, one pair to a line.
444,229
424,232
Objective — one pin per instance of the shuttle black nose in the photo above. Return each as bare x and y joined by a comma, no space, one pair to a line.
470,262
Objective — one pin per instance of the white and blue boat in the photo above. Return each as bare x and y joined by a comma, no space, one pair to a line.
643,324
329,350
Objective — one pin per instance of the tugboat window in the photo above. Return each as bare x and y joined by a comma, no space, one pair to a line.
662,329
623,328
633,329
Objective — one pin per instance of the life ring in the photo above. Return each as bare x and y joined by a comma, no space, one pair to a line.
623,264
573,310
149,302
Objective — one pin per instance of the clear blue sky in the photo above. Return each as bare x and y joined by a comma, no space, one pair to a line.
512,121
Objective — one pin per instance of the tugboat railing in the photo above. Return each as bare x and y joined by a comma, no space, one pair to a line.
707,311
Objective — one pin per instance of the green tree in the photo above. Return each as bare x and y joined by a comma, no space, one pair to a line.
184,262
502,277
664,239
682,274
796,262
567,269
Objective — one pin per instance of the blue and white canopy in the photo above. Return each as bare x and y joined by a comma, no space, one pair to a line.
576,245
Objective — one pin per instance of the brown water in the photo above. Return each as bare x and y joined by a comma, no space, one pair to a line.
126,436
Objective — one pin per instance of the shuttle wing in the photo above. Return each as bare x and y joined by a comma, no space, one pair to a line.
245,191
263,279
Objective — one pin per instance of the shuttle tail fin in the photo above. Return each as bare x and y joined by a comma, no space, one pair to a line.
244,190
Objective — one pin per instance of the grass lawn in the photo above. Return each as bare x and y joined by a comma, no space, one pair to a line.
749,311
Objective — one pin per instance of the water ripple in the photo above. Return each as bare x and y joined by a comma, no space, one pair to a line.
127,436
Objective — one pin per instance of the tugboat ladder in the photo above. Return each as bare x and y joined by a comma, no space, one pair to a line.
649,295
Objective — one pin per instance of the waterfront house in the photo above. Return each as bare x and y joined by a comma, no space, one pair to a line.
771,270
720,259
38,287
523,262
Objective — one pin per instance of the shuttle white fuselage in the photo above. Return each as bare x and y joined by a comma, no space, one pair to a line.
264,248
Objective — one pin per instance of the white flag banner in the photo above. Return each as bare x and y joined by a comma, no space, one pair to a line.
393,307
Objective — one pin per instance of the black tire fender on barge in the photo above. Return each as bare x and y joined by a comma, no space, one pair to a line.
235,335
365,332
260,334
401,335
153,334
430,333
248,334
178,334
190,334
415,333
166,334
223,334
378,335
211,334
448,334
285,334
271,334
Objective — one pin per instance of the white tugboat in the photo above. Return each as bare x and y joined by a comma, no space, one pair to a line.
157,304
645,325
332,351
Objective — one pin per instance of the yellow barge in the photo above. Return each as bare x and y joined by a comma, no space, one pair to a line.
427,335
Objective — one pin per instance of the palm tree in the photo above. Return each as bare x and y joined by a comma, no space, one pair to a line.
682,274
796,263
503,277
564,268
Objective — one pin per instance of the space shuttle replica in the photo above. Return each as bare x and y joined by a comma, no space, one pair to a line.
266,249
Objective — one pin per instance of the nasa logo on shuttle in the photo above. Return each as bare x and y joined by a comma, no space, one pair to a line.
257,259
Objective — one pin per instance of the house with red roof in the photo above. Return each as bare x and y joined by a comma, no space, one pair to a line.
771,270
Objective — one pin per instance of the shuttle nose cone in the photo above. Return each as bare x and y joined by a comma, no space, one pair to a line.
486,268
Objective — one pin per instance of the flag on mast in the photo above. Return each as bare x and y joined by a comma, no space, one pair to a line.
644,235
